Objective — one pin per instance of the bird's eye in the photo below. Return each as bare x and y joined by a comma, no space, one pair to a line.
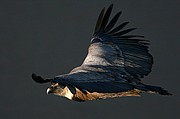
55,87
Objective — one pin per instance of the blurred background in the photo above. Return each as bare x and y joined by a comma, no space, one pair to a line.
50,37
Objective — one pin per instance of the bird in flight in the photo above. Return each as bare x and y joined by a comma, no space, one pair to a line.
115,64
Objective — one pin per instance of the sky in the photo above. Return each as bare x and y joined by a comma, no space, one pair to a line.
50,37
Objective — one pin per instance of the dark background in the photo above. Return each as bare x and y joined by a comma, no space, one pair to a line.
50,37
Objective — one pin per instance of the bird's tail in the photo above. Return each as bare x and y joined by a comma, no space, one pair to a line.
153,89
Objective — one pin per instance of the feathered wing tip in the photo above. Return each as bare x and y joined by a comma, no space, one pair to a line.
103,27
39,79
98,23
103,19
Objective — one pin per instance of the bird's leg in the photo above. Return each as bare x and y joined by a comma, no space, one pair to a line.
39,79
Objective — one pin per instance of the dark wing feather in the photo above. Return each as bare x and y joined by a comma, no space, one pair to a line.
124,32
112,22
106,18
99,21
115,61
121,26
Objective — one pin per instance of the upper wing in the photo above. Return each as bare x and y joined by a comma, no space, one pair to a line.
114,59
112,47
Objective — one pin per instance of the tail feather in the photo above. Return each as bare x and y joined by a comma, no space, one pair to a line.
154,89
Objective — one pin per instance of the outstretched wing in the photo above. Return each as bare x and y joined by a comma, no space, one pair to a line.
112,47
114,59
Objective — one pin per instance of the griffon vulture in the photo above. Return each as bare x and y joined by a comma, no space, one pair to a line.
115,64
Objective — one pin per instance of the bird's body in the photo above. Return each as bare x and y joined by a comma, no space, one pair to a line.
114,65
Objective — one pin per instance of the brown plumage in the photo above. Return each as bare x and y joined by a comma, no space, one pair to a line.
79,96
114,66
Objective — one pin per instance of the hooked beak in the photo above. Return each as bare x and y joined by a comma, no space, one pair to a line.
49,90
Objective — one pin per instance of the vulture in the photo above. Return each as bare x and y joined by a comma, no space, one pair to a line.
114,66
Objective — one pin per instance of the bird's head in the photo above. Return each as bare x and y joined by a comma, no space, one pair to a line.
55,89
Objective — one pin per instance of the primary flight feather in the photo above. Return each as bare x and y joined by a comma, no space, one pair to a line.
114,66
